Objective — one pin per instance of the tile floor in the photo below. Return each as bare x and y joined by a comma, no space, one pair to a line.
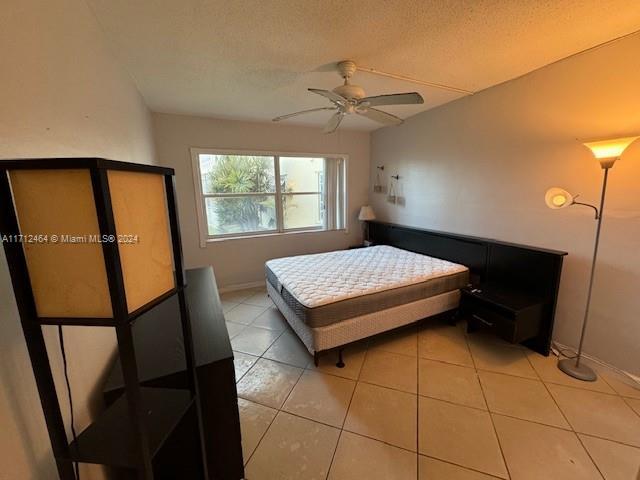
426,402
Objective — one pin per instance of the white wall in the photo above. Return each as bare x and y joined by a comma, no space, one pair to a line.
62,94
241,261
481,166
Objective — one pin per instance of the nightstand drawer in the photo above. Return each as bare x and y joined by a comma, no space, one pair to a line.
488,318
512,326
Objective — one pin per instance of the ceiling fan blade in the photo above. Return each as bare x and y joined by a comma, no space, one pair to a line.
284,117
393,99
333,122
334,97
380,116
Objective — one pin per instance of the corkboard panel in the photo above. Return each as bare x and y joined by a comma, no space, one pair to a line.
139,209
68,279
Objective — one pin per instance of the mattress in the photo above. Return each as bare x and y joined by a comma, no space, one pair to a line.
326,288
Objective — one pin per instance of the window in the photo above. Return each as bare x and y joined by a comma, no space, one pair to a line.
242,194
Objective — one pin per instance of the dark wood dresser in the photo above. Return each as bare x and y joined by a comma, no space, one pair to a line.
161,363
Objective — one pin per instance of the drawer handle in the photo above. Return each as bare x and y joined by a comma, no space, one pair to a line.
477,317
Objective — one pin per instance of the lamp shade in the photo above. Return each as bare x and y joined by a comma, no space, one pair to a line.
62,207
558,198
366,213
608,151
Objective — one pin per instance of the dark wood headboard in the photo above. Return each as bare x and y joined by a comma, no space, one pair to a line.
533,270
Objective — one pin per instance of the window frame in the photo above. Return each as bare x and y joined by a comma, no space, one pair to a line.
200,196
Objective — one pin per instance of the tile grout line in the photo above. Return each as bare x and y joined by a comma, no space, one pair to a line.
484,396
437,399
449,462
626,401
278,409
418,358
538,379
262,436
333,456
258,357
566,419
346,413
415,452
589,455
546,387
563,414
604,379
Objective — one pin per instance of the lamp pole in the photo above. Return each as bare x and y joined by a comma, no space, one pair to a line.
576,370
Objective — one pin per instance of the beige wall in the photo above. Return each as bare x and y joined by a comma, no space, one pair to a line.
242,261
481,166
62,94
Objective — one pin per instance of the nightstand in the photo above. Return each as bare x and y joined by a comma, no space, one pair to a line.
513,315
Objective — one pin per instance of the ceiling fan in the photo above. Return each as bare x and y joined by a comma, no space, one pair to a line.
348,99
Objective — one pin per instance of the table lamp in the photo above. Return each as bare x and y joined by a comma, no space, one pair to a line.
366,214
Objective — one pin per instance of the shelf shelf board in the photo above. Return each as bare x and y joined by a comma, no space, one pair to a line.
110,440
108,322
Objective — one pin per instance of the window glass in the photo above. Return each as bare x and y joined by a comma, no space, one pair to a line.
302,211
227,215
239,194
237,174
300,174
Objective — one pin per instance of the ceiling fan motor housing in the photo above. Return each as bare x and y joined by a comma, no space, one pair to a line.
346,69
350,92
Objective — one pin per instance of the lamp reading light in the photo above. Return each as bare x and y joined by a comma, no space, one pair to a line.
608,151
558,198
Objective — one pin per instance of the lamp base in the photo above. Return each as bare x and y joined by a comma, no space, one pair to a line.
581,372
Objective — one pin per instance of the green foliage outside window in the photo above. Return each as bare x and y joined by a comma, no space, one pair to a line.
242,174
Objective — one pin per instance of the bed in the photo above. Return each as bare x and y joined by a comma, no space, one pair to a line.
335,298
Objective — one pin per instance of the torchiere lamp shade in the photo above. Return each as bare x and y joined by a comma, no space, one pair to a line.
69,278
610,148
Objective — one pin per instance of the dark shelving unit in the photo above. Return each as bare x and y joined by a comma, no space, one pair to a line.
131,431
110,440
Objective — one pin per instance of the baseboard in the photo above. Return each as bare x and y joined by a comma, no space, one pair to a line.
560,346
241,286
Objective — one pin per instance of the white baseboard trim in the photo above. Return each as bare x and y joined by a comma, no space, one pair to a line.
241,286
556,346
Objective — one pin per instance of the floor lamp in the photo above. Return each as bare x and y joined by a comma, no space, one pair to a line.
607,152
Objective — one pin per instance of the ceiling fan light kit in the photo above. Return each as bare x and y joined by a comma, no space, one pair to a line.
348,99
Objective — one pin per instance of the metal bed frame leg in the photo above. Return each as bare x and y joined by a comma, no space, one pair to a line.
340,362
453,317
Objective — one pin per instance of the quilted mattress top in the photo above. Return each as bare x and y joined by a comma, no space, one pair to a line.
324,278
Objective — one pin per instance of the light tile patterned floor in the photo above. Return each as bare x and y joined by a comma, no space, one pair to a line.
425,402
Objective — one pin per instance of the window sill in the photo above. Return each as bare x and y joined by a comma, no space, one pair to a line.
274,234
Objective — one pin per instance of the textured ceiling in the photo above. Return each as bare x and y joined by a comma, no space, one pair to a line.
255,59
